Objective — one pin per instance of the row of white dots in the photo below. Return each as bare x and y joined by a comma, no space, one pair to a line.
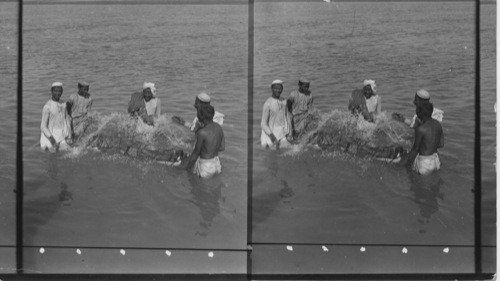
363,249
123,252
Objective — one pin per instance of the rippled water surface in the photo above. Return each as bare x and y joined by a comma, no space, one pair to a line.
403,47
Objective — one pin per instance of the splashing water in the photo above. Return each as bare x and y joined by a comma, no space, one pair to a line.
339,132
119,134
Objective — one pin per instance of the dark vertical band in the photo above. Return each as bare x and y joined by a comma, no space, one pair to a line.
477,150
19,152
250,135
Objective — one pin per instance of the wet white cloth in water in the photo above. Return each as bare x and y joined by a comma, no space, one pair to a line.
425,165
437,114
55,123
371,103
218,118
274,120
207,168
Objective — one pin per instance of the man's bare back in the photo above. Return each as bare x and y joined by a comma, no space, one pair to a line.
212,140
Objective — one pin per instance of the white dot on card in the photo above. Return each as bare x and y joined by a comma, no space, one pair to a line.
211,254
405,251
122,251
446,250
168,253
78,251
363,249
42,250
289,248
325,249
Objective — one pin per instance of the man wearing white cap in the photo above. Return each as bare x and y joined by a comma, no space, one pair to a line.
204,160
56,123
79,104
145,104
202,98
299,103
276,122
421,96
423,157
366,101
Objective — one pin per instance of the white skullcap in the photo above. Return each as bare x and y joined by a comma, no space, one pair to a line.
151,86
204,97
277,82
304,80
57,84
372,85
423,94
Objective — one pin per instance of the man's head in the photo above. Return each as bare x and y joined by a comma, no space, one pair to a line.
369,88
57,90
83,88
424,110
421,96
304,85
148,91
201,99
277,88
205,113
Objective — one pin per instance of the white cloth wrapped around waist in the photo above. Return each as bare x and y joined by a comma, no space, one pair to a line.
207,168
426,164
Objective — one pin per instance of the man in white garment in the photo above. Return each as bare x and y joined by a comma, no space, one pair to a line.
203,98
276,122
421,96
56,122
145,104
365,101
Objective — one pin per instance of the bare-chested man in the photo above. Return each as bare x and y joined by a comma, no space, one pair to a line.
204,160
429,136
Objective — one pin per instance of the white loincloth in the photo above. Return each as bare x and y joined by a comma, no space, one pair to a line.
207,168
425,165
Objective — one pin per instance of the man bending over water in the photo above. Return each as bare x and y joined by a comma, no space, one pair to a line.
429,136
203,98
204,160
145,104
366,101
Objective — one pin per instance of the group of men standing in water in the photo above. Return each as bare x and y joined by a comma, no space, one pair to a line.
63,122
284,120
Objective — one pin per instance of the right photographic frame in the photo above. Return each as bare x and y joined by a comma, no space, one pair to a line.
364,134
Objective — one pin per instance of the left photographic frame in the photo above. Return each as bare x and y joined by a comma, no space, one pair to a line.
113,202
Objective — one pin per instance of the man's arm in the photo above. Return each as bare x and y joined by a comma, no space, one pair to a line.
264,123
223,142
158,108
196,151
379,105
67,119
44,123
441,140
419,134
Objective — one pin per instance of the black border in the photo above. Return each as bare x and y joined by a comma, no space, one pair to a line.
19,164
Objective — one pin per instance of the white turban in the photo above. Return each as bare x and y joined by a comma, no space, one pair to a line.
57,84
204,97
151,86
372,85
